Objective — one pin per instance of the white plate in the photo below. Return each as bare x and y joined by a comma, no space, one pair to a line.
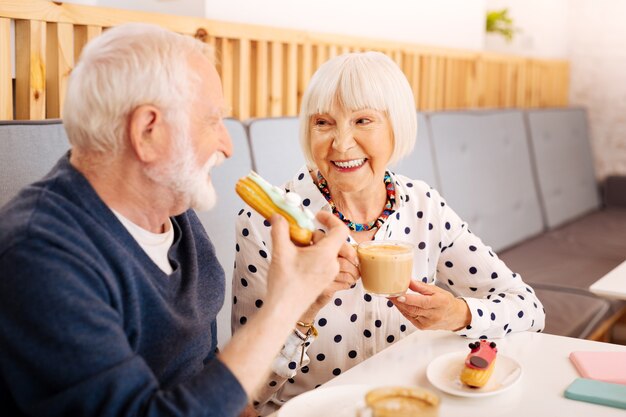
336,401
444,373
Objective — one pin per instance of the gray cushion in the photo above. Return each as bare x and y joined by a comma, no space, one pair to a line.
275,148
486,174
564,163
419,164
220,221
574,255
571,313
28,151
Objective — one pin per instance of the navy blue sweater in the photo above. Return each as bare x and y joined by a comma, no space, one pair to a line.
90,326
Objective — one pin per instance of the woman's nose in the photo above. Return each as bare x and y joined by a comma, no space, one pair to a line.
343,140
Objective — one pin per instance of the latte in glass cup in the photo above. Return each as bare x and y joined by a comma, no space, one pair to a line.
386,266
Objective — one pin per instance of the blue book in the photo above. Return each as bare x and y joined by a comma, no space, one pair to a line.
597,392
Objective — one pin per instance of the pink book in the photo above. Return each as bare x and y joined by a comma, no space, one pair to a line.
602,366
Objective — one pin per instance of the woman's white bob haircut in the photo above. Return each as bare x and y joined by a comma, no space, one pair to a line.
362,80
128,66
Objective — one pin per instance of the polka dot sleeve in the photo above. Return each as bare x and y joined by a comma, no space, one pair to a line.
499,300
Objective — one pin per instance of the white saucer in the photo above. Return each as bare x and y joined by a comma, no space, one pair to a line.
444,373
335,401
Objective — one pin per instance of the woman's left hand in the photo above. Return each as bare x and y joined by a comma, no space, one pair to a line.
433,308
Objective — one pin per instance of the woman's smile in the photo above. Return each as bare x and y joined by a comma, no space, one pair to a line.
349,165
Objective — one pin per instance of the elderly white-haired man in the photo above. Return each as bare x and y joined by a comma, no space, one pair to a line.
110,285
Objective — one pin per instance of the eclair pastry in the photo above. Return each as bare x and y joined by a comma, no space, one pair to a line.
479,364
267,200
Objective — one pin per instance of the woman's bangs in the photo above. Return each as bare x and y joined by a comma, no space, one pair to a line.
357,94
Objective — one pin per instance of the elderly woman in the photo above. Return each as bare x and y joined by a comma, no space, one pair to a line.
357,119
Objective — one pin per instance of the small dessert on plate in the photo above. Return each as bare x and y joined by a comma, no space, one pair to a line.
479,364
267,200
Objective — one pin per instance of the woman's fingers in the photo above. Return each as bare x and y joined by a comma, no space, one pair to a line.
348,272
426,308
348,252
422,288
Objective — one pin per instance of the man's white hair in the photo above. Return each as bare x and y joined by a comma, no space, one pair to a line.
357,81
127,66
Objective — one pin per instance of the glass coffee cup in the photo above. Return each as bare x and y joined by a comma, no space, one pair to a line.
386,266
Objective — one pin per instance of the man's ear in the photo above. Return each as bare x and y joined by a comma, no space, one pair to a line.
147,133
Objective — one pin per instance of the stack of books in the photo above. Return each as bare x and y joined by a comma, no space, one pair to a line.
603,378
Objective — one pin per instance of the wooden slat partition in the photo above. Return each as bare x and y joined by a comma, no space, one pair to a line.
60,60
264,70
30,69
82,35
6,88
241,63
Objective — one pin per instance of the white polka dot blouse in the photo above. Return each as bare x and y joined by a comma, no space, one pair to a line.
356,325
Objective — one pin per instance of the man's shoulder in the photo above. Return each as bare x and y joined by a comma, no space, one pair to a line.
37,211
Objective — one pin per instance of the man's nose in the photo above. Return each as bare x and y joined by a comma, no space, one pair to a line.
226,143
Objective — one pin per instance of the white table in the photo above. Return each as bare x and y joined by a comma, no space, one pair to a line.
547,371
613,284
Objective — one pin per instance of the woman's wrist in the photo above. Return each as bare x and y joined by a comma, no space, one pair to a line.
463,313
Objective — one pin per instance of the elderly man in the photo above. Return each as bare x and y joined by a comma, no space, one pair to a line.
110,285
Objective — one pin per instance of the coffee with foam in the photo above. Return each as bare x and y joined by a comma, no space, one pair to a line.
386,266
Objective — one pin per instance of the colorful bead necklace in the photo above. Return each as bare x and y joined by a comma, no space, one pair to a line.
361,227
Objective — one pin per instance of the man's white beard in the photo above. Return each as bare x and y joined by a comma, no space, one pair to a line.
202,195
191,185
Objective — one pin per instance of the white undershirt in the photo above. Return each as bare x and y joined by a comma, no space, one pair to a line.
156,245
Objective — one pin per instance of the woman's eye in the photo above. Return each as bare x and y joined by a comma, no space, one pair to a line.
320,122
363,121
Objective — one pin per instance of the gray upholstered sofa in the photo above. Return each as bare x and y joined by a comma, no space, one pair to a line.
523,180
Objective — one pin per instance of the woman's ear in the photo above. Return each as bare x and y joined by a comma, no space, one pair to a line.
148,134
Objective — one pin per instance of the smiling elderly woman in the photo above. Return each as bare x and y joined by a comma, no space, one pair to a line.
358,117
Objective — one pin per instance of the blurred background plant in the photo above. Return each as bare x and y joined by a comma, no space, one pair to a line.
499,22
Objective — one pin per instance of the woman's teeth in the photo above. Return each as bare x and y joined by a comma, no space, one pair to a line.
350,164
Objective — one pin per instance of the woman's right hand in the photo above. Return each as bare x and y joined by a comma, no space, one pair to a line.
348,275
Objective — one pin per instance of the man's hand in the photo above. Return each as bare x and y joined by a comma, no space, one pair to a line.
347,277
433,308
297,275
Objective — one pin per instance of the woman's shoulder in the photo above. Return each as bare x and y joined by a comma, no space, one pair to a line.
300,180
411,184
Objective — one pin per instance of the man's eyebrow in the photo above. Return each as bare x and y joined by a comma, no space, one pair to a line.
222,111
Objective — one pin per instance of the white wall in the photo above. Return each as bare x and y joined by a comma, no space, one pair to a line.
85,2
543,28
591,35
597,53
449,23
175,7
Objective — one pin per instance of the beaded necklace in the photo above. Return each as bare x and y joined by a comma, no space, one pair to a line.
361,227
